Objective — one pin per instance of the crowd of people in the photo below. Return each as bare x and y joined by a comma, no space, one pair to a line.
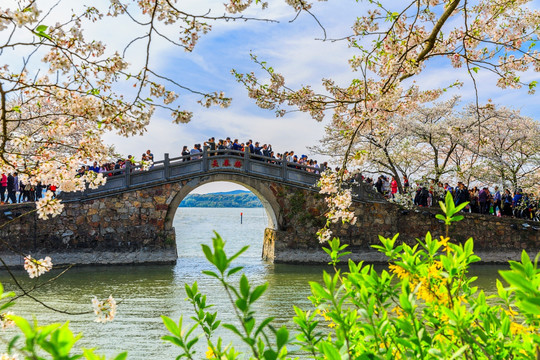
481,200
13,190
263,152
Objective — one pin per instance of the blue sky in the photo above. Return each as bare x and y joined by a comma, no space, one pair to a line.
292,48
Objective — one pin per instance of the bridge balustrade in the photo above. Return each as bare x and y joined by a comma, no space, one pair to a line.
207,162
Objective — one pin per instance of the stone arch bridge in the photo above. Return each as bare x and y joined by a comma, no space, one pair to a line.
129,220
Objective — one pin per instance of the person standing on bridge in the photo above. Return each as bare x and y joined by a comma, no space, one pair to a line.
195,152
394,187
11,189
221,147
211,143
150,158
185,152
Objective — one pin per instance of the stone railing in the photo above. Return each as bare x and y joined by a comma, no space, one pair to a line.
211,162
207,162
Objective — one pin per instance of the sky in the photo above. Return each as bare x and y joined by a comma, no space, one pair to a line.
292,48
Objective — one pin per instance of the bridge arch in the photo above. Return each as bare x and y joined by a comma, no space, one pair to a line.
257,187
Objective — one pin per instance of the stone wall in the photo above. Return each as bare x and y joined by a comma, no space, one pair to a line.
120,229
135,226
496,239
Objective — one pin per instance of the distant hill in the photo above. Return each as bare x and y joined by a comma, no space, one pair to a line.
233,192
236,198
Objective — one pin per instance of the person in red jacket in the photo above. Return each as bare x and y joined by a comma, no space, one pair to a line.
3,187
393,186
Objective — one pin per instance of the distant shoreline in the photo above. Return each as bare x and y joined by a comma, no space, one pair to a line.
231,199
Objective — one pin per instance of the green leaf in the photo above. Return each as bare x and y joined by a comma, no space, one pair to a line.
24,325
234,270
459,352
241,304
319,291
518,281
282,337
440,217
265,322
259,290
244,286
121,356
173,339
475,69
330,352
171,325
210,273
208,253
232,328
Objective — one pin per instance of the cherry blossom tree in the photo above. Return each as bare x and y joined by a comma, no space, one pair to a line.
60,89
388,149
511,149
396,42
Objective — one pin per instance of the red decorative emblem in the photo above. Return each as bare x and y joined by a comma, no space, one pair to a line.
226,163
215,164
238,164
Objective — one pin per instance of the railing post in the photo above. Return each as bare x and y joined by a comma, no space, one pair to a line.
166,163
283,168
128,173
246,159
205,158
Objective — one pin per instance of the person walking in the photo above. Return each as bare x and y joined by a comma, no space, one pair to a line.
497,202
16,180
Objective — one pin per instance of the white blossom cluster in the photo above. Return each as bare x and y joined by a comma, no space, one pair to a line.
338,201
48,206
105,310
35,267
5,321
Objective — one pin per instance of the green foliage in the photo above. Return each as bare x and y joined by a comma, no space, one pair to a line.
57,341
263,339
424,306
450,210
241,200
35,342
41,32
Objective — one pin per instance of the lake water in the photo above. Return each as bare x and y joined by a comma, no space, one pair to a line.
147,292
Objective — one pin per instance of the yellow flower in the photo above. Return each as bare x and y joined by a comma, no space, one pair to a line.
210,353
399,271
511,312
444,242
332,325
399,312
